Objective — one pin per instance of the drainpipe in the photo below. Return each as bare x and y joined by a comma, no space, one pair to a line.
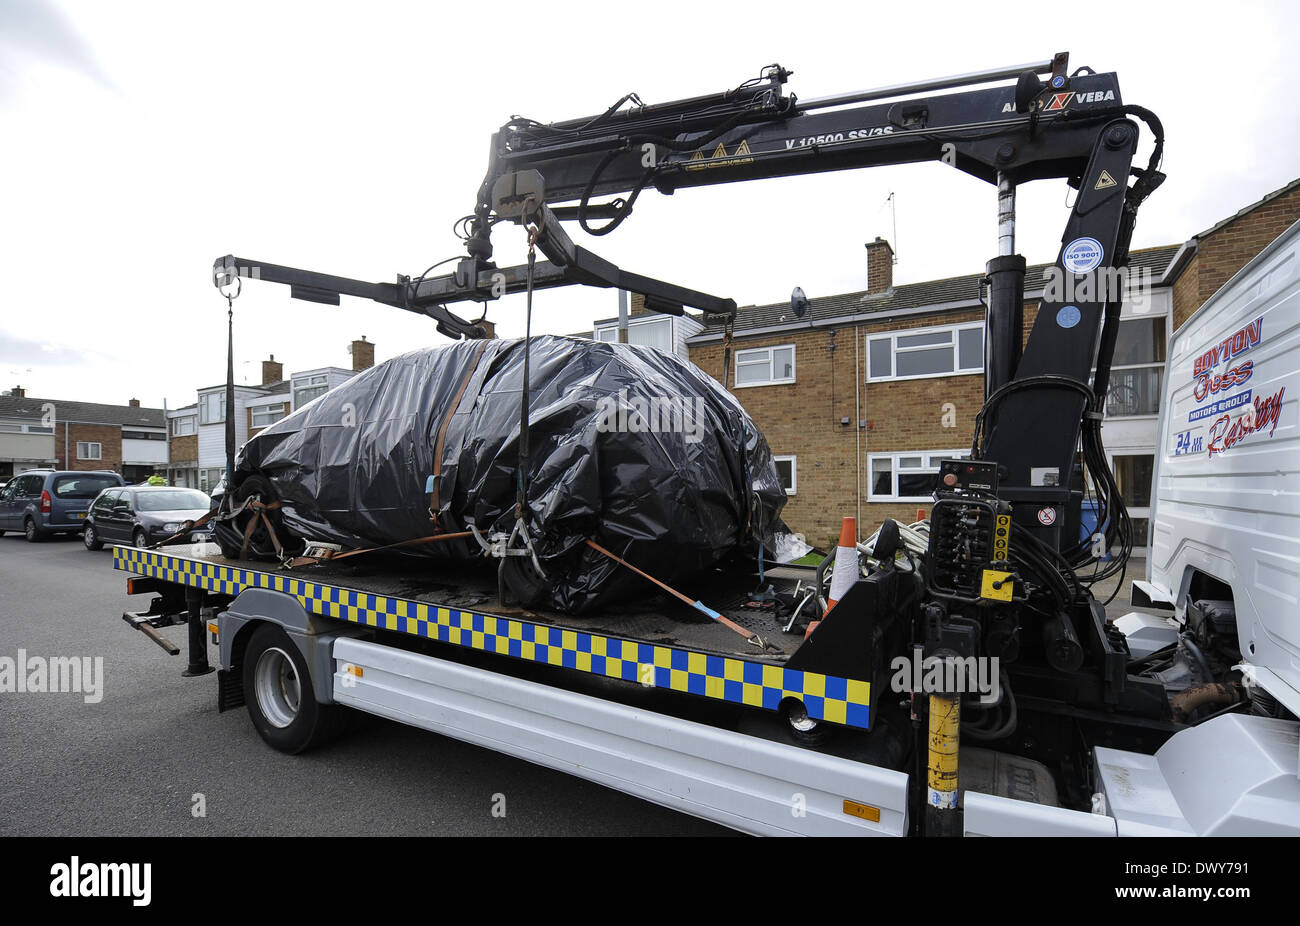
66,451
622,316
857,414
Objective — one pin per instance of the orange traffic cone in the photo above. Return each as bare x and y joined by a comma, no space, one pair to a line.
845,571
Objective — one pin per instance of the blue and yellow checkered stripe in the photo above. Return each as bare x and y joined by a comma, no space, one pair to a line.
825,697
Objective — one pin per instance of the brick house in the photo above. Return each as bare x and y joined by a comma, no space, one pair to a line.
36,433
861,396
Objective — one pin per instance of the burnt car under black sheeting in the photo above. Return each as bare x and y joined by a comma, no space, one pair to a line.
630,447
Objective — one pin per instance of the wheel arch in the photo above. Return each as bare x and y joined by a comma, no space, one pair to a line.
314,636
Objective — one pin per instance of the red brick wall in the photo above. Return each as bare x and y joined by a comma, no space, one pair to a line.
1220,255
803,419
109,437
185,449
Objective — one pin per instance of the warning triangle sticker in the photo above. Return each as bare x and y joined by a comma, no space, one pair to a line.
743,149
697,156
720,151
1105,181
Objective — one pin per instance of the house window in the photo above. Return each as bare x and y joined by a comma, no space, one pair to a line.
143,435
646,332
1133,474
765,366
89,450
209,478
921,352
212,408
183,427
308,388
787,467
266,415
907,477
1137,368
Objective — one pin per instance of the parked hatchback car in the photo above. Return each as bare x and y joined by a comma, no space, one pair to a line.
43,502
143,515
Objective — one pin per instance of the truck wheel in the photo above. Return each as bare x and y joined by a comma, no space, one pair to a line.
32,532
279,694
90,537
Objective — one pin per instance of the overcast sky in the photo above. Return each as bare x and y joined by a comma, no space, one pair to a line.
144,139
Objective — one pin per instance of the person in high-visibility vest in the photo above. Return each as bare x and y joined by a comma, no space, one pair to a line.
156,480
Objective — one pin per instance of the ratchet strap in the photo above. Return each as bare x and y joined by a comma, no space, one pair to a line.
331,557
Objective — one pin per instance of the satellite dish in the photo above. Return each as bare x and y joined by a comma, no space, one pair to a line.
799,303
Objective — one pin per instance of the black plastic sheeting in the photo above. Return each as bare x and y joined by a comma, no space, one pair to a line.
629,446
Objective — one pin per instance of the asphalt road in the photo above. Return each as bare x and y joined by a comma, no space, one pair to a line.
133,763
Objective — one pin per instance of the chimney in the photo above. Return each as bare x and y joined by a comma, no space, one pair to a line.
363,354
637,306
18,392
134,403
272,371
880,266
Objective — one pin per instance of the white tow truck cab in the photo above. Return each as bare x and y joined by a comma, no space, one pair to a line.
1225,560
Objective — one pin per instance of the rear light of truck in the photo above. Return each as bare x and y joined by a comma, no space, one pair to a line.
46,502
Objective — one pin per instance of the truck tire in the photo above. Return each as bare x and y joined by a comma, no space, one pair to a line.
280,698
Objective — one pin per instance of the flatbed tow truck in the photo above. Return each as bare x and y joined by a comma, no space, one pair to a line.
1175,725
596,697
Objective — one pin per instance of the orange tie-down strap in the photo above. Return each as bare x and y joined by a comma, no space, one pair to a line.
442,432
750,636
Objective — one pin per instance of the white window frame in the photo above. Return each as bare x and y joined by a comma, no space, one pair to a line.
275,408
205,409
771,380
1141,309
896,470
184,426
894,350
598,333
88,454
793,460
314,381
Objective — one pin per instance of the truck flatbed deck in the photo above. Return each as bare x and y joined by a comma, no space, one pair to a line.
657,642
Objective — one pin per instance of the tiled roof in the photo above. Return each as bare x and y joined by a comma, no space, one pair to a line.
1251,208
84,412
951,293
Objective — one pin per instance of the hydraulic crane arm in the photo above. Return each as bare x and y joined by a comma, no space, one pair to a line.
1072,126
1027,130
